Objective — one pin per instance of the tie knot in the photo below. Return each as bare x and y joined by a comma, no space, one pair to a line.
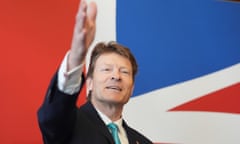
113,127
114,131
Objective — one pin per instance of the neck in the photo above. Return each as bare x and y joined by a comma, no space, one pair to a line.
112,110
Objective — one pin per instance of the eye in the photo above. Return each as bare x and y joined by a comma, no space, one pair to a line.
105,69
124,71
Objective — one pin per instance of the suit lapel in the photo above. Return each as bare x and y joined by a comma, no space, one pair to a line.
131,136
95,119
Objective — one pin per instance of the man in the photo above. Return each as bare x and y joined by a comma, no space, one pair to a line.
110,82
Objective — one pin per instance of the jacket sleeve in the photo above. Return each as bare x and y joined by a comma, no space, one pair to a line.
57,114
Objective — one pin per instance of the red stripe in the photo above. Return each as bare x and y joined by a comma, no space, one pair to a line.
226,100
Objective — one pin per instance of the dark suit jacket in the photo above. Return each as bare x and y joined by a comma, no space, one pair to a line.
61,122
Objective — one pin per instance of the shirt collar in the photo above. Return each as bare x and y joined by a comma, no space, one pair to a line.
107,120
118,122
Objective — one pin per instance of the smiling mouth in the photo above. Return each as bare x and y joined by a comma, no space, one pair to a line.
114,88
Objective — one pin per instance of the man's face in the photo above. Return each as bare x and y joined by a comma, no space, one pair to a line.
112,80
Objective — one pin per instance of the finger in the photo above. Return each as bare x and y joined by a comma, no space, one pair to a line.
81,16
82,6
92,11
80,22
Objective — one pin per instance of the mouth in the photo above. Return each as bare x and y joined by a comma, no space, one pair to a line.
117,88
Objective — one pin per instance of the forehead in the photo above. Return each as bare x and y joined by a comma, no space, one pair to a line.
113,59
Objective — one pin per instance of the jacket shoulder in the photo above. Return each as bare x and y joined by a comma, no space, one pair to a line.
135,136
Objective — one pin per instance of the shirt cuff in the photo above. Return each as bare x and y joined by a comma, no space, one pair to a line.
69,81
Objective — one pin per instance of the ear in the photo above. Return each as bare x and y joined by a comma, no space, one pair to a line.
89,84
132,89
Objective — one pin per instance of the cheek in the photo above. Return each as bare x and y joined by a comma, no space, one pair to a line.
99,83
101,79
129,88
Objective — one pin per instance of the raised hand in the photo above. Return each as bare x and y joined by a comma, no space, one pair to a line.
83,34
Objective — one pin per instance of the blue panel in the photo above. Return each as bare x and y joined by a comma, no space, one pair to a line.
176,40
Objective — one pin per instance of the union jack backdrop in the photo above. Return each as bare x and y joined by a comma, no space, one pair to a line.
188,87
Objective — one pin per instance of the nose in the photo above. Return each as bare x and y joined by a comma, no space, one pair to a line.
116,75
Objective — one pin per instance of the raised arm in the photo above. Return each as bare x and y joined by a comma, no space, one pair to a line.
57,114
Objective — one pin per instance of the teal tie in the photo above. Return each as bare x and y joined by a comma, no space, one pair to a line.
114,130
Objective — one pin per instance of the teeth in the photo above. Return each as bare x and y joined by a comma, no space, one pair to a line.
115,88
